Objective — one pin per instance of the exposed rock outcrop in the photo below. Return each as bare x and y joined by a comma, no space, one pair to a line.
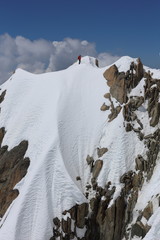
104,107
2,133
138,229
13,167
101,151
97,168
121,83
116,82
114,112
2,96
151,93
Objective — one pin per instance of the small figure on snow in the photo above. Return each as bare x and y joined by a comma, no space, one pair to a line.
79,58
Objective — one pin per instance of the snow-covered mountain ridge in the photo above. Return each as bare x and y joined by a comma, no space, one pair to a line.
86,153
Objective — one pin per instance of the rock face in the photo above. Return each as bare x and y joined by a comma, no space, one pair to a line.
2,133
67,228
116,82
97,168
101,151
120,82
13,167
2,96
114,110
152,88
155,113
104,107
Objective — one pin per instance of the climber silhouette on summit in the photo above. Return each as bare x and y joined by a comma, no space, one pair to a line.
79,58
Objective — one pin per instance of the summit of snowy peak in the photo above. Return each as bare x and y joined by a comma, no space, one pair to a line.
87,60
123,63
21,71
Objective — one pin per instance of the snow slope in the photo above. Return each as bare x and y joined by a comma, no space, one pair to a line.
59,114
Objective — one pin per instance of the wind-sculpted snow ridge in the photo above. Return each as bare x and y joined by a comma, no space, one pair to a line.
79,155
58,113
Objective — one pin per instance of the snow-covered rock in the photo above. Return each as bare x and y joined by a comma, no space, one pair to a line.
59,115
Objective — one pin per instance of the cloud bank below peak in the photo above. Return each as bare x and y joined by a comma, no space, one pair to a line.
41,55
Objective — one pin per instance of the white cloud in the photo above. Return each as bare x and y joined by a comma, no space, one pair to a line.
106,59
42,55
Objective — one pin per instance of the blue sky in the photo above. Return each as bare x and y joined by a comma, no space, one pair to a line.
116,27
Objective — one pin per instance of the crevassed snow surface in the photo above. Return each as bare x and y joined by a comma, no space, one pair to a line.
59,114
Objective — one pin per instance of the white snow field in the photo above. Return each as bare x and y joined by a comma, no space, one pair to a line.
59,114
